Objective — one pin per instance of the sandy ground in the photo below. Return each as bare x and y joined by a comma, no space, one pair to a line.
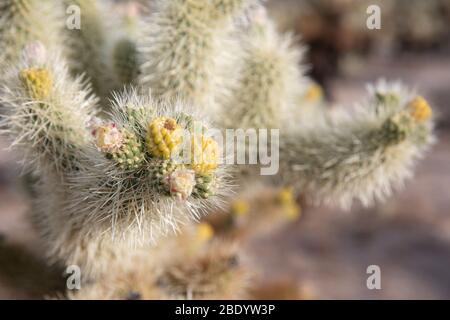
327,250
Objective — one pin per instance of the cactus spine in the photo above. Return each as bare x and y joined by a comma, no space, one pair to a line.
183,54
24,21
364,157
269,79
89,47
113,182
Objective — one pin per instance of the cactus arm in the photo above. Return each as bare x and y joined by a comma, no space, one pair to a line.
364,156
46,112
270,78
183,53
23,21
89,48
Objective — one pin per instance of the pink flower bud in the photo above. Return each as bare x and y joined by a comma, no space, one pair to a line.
181,183
35,52
259,16
108,138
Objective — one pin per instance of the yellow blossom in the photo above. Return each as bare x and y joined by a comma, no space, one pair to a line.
313,93
286,195
204,232
108,138
204,154
240,207
37,81
292,211
163,136
420,109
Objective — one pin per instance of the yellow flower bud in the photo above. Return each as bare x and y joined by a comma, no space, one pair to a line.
37,81
313,93
163,136
420,109
240,207
285,196
204,232
204,154
292,211
108,138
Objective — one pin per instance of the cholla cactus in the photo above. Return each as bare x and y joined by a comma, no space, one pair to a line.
45,111
256,212
23,21
126,58
364,156
109,182
184,54
100,176
139,176
127,193
189,266
126,61
89,48
270,77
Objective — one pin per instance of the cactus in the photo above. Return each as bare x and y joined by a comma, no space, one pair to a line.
45,112
24,21
128,191
269,80
191,265
126,61
88,46
364,157
111,184
183,55
125,55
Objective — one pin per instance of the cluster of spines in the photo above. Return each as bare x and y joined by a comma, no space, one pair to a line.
45,111
156,150
269,79
88,47
364,157
126,61
183,54
23,21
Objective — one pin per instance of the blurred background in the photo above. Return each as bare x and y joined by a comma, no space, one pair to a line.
325,253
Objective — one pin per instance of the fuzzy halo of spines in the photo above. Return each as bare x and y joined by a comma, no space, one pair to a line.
196,69
178,268
270,76
48,130
350,155
23,21
127,204
90,48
